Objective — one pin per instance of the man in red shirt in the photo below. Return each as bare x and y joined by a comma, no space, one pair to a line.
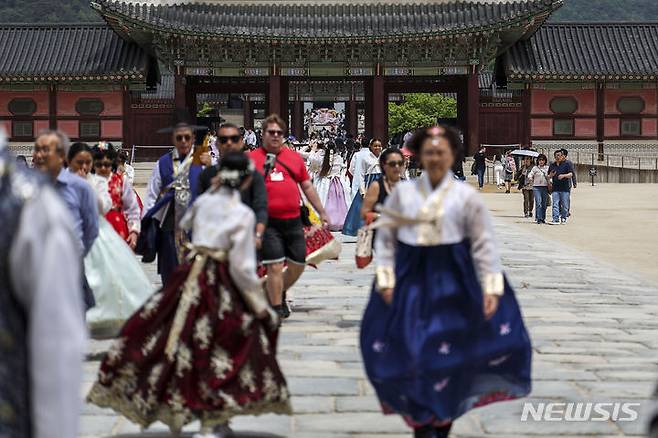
283,240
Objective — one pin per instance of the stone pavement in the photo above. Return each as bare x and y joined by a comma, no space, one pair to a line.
593,330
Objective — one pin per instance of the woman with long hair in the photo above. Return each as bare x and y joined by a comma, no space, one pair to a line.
204,347
124,215
114,275
333,187
366,171
442,333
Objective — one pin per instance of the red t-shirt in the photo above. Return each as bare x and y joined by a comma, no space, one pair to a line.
283,198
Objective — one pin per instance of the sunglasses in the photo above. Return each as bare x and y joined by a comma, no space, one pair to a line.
275,133
185,137
395,163
231,138
99,164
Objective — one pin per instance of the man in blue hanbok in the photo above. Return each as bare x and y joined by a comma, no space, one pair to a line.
171,190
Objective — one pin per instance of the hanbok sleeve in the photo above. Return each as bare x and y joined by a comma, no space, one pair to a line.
45,269
153,190
484,250
385,242
131,207
242,264
103,193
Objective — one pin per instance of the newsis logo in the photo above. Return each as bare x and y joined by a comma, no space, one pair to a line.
580,412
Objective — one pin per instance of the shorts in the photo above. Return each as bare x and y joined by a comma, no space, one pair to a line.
284,240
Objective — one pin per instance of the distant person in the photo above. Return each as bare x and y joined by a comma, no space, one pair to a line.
540,182
526,186
509,166
561,173
498,171
480,165
21,161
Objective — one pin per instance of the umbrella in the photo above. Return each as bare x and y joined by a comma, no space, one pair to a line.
526,153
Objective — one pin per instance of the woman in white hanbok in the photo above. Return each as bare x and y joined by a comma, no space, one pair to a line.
115,276
333,187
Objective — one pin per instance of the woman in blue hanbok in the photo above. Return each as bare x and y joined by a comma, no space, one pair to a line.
366,170
442,333
113,272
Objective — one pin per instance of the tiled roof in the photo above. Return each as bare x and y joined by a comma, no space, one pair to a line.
69,52
275,21
575,51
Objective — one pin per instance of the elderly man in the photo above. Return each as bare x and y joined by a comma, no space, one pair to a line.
42,330
50,150
171,190
254,196
285,173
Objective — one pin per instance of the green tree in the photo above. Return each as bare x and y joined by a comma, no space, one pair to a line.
419,110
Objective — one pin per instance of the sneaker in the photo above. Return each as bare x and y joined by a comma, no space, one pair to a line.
563,221
553,223
286,306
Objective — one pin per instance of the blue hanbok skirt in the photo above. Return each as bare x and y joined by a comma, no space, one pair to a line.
431,356
353,220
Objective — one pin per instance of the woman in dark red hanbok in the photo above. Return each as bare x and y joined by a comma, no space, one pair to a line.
204,347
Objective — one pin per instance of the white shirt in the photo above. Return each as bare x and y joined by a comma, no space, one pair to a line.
220,221
45,270
459,213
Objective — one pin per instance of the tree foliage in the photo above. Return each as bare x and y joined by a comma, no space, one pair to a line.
419,110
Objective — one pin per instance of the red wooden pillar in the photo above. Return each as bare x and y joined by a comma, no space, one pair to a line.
368,108
472,135
52,107
248,113
600,119
379,109
298,119
526,112
352,116
180,93
127,119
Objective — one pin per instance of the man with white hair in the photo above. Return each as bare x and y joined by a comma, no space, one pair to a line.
50,150
42,330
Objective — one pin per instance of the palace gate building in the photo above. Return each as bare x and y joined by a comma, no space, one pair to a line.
518,79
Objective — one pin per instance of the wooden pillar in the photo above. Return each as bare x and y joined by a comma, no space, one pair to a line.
352,117
526,117
52,107
127,119
462,109
190,100
248,113
298,119
379,109
368,108
600,119
180,94
472,134
274,95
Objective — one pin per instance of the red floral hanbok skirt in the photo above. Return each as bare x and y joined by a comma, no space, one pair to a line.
195,350
118,221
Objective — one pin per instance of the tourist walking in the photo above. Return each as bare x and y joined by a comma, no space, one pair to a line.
509,166
41,315
526,186
116,278
171,189
561,172
540,187
498,171
286,178
391,162
480,165
367,171
50,152
333,187
204,347
125,213
254,195
442,333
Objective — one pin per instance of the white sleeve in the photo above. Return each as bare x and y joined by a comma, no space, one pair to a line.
130,173
484,250
131,207
153,189
242,264
46,270
103,194
385,242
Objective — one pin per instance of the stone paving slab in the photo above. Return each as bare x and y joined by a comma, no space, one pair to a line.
593,330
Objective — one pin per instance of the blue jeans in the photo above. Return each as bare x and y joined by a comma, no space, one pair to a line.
480,171
541,203
561,202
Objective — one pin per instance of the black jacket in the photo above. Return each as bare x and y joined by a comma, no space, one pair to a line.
255,196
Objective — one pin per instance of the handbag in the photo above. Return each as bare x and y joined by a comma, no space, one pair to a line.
363,254
474,169
320,245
